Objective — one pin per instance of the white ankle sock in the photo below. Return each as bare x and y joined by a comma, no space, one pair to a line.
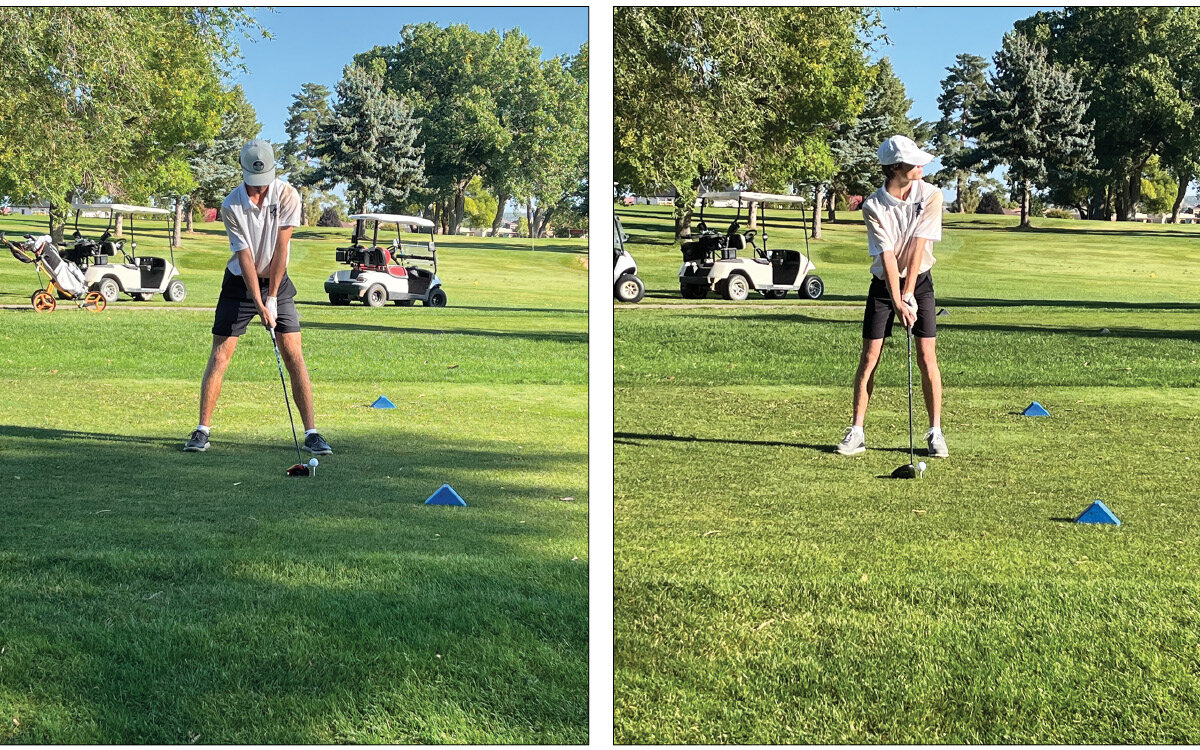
313,431
203,428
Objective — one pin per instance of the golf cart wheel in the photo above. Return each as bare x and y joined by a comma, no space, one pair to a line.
376,296
775,293
95,302
693,291
437,298
339,300
42,301
109,288
812,288
629,288
176,292
736,287
405,302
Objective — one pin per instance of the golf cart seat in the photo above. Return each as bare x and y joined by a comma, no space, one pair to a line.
734,243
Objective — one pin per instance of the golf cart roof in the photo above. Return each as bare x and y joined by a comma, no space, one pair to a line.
394,218
752,197
118,208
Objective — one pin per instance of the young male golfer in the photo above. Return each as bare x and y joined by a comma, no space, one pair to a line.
904,219
259,217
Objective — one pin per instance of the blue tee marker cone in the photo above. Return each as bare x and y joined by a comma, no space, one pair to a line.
445,495
1035,410
1098,512
383,402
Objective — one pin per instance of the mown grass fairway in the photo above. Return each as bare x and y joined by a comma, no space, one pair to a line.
153,596
769,590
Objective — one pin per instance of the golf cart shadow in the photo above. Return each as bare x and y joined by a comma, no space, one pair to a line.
632,438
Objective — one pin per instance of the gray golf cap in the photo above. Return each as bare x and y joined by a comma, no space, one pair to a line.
258,163
901,150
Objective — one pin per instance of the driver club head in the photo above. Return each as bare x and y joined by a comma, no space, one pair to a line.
907,471
299,470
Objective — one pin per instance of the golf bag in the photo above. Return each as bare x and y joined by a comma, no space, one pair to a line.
64,274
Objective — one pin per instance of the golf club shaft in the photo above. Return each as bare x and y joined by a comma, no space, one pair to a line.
296,440
910,413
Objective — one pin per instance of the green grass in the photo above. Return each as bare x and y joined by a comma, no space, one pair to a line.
153,596
771,591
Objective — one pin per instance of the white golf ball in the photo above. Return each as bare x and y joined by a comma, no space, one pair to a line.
312,462
921,465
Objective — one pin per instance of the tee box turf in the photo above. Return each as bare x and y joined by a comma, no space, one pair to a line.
1098,512
445,495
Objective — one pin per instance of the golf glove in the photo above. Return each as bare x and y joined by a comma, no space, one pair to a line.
273,306
910,301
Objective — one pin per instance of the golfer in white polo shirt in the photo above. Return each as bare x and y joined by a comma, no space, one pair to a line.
904,219
259,217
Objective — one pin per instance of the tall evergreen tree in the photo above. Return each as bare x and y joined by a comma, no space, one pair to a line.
960,88
1030,119
308,110
368,143
215,164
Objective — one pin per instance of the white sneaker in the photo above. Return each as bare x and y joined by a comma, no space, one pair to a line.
853,443
937,443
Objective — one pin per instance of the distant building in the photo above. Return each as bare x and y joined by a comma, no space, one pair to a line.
37,207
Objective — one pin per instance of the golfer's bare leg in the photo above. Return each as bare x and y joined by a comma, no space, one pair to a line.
931,379
293,360
214,375
864,379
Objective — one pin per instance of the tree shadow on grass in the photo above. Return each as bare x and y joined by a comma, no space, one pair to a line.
632,438
559,336
1111,233
159,597
538,310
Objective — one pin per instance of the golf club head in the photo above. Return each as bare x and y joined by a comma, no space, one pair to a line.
299,470
907,471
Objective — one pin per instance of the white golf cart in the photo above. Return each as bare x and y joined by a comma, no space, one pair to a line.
381,274
732,265
141,277
627,287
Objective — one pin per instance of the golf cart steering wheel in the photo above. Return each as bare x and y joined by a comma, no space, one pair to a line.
749,234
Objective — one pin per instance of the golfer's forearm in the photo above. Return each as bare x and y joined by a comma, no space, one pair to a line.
250,275
279,260
891,271
916,255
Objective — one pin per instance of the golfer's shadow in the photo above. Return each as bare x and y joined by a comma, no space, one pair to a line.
631,438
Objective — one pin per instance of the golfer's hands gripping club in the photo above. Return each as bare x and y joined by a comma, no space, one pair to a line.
269,312
906,311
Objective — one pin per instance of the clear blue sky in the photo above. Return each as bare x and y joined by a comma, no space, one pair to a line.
925,41
314,44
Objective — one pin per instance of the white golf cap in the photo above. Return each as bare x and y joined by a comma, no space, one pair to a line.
901,150
258,163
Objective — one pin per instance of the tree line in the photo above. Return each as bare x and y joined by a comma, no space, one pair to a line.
1088,108
134,104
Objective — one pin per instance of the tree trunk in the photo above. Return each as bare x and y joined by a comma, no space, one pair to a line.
816,227
460,207
176,241
119,228
58,221
1179,196
191,210
752,216
1025,204
541,231
830,201
305,209
501,202
437,216
529,216
683,222
960,188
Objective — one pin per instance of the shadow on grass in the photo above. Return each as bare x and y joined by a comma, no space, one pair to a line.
1116,231
562,311
631,438
153,596
560,336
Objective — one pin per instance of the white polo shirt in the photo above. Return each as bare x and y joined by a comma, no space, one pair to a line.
257,227
892,222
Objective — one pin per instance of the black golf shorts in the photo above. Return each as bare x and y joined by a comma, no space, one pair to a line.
235,306
879,316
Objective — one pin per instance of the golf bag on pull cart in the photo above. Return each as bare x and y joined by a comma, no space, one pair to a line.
64,276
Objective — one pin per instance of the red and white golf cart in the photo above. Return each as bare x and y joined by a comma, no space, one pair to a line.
393,273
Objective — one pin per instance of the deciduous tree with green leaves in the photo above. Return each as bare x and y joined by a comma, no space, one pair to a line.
216,165
714,95
1030,119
